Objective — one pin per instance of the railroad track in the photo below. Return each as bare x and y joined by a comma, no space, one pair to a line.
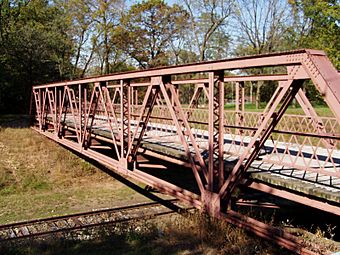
40,227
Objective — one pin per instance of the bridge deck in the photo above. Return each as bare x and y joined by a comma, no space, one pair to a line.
163,139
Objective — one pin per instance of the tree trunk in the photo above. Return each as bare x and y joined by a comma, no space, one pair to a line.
106,54
258,94
251,93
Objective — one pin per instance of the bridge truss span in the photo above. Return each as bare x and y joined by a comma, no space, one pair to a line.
181,114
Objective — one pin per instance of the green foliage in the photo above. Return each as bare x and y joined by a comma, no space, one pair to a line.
147,30
318,26
34,48
209,28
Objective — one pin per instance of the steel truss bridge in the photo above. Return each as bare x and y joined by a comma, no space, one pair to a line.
117,119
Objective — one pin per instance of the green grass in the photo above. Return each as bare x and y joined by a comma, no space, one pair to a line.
321,110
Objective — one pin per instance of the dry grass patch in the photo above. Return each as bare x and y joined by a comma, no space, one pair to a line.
39,178
200,234
193,234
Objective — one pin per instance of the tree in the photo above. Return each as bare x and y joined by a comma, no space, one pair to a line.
207,19
34,48
147,31
106,14
93,24
262,24
79,16
316,25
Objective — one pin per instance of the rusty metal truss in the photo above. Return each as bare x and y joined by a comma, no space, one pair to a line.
224,148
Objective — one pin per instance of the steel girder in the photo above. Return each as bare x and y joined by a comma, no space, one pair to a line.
114,105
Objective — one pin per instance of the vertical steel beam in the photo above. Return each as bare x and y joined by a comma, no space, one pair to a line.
52,107
56,109
60,111
109,112
85,104
136,97
216,131
80,113
90,116
44,109
243,98
149,102
132,90
125,118
237,98
37,100
219,126
210,184
72,102
239,104
210,198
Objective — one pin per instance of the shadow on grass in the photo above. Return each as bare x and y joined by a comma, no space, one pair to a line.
128,183
191,235
177,175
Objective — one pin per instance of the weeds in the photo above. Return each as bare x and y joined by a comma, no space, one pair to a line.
193,234
30,162
39,179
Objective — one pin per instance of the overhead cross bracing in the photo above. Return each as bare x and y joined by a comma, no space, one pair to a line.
296,157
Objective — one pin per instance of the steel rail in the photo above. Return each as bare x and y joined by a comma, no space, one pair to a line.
61,224
71,222
335,136
327,136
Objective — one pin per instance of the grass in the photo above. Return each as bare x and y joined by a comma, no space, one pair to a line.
39,178
321,110
194,234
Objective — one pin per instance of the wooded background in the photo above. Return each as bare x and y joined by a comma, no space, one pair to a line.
44,41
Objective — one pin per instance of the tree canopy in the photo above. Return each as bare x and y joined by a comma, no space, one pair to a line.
318,26
35,48
49,40
146,31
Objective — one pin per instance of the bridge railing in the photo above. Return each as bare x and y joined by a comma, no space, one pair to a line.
129,109
296,142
